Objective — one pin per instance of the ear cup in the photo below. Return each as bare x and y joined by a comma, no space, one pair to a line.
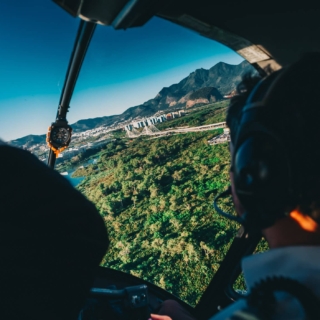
262,173
261,177
275,136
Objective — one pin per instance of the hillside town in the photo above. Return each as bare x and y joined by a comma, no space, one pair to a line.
97,137
181,99
157,118
94,138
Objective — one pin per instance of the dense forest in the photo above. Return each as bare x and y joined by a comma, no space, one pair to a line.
155,196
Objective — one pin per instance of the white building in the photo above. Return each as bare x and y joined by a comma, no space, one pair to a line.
128,127
138,124
145,122
161,118
151,120
222,138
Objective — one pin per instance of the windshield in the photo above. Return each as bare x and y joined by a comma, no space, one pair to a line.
159,154
149,146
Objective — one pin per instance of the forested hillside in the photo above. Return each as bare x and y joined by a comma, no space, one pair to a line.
155,196
156,199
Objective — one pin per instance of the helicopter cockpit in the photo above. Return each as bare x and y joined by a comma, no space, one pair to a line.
135,276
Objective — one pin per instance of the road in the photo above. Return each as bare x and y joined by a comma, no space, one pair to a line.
182,130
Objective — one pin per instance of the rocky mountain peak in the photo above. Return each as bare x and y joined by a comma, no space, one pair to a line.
199,87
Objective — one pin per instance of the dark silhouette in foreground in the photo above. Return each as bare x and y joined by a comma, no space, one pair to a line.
52,240
275,180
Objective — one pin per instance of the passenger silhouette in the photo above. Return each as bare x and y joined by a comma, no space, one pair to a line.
52,240
275,179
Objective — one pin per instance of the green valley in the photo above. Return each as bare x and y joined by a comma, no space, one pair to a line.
155,197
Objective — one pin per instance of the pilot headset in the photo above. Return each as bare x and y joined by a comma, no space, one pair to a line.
266,164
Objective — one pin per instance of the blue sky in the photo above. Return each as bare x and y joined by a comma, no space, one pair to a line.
122,68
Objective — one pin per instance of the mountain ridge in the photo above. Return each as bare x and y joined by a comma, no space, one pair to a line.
222,76
200,86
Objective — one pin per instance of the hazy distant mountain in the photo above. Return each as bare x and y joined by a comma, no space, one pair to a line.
29,140
201,86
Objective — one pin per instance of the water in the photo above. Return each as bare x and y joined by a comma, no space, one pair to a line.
74,181
91,161
77,180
